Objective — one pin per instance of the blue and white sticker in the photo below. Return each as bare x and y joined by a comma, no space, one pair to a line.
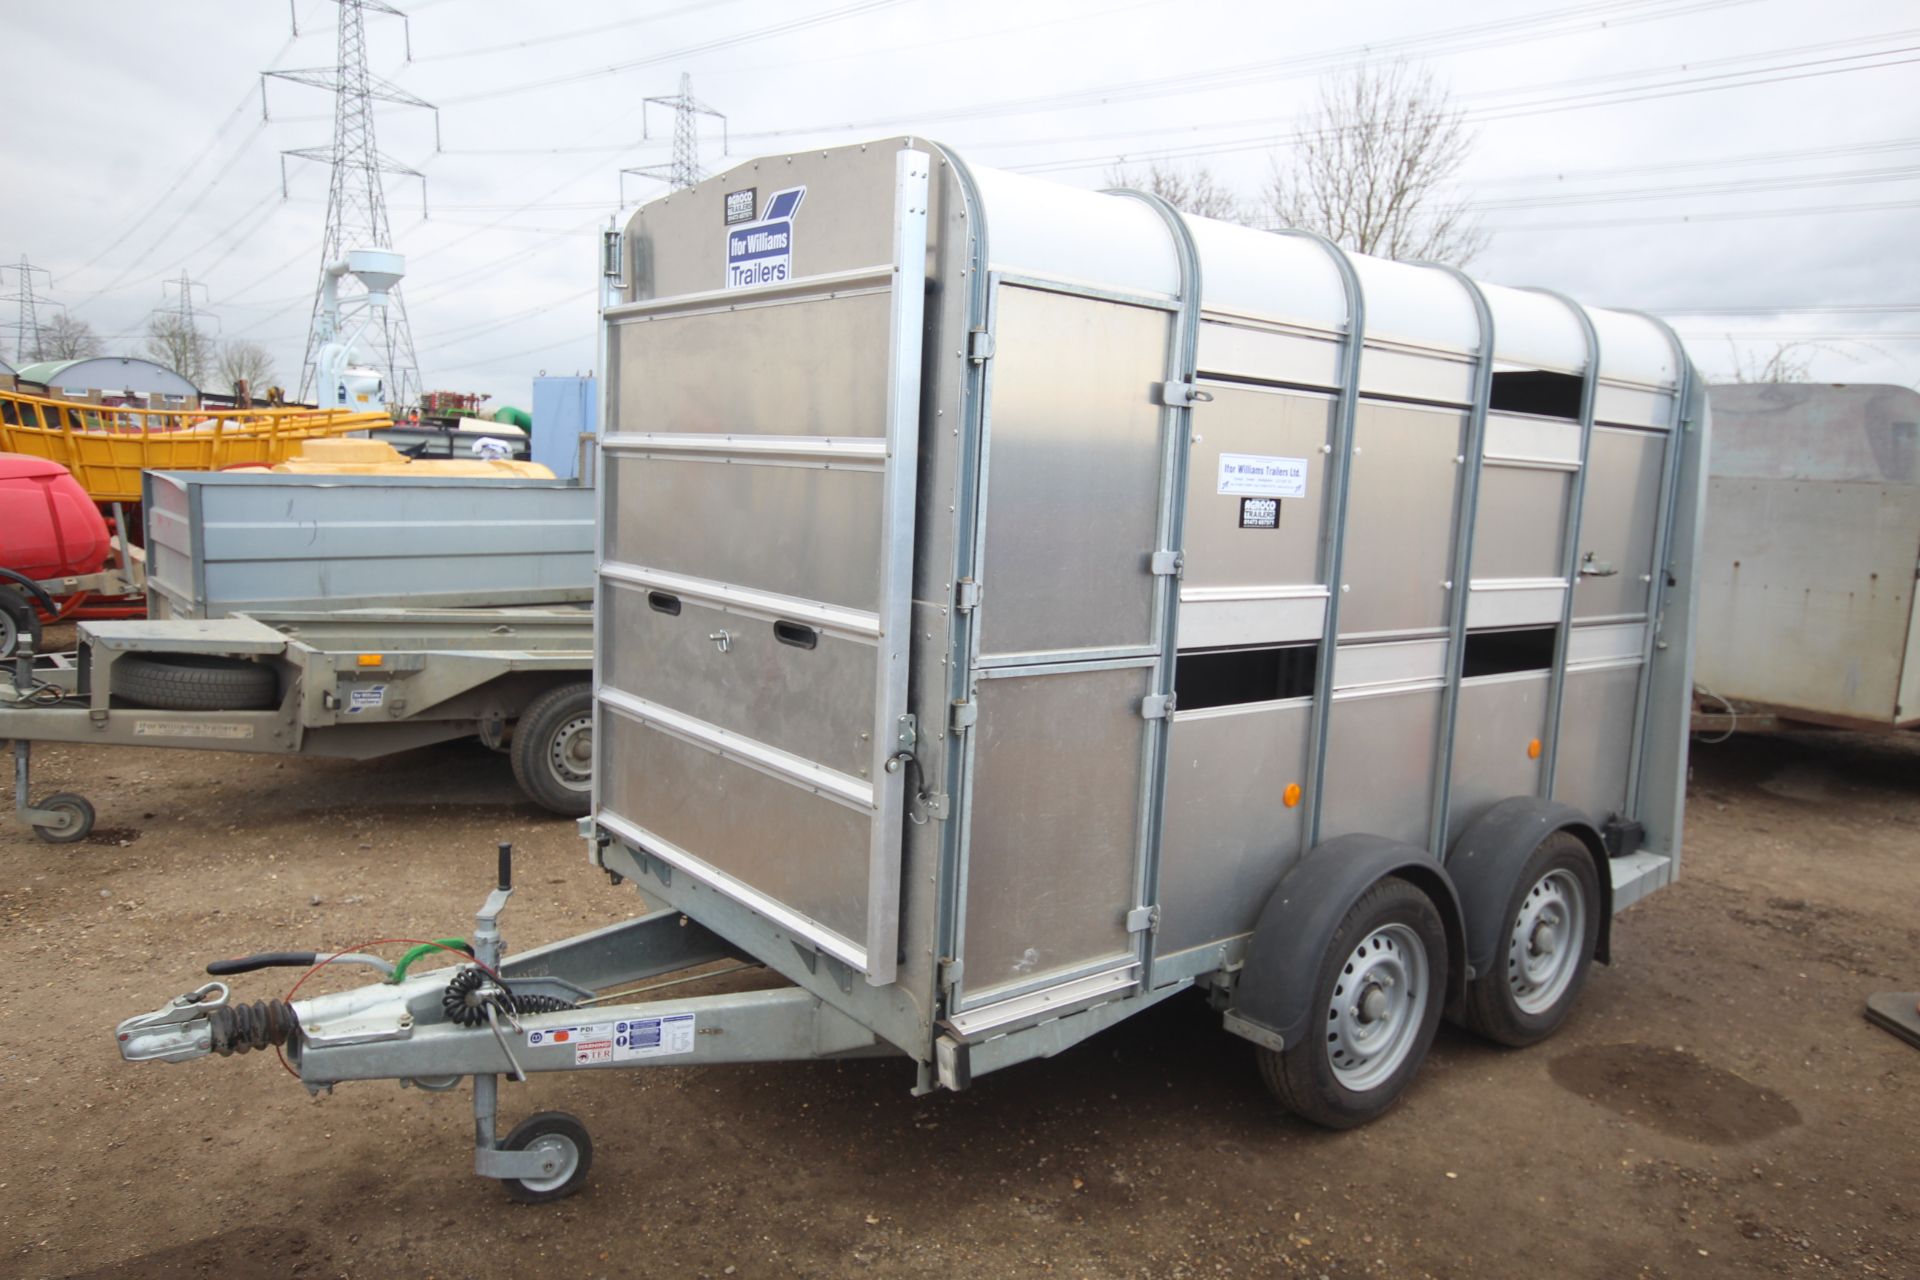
367,697
1261,476
761,253
653,1037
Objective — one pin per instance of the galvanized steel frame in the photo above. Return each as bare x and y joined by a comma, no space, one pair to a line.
1459,587
1177,434
1333,535
1570,540
1663,535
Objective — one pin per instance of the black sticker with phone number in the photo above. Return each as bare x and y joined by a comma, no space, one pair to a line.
1259,513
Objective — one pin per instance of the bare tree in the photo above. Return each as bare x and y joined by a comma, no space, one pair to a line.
1196,190
1787,362
65,338
1372,168
244,361
181,347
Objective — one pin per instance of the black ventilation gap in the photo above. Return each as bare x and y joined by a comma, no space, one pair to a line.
1228,677
1535,391
1500,653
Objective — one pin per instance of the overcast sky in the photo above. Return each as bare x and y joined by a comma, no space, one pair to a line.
1758,158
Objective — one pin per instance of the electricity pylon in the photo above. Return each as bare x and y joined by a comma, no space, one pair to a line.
356,200
684,169
26,324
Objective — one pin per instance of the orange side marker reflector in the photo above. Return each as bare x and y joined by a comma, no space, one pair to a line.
369,659
1291,796
1533,749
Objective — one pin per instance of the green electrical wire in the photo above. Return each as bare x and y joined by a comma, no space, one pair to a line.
426,948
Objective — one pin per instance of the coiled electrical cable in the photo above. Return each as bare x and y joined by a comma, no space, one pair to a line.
464,1010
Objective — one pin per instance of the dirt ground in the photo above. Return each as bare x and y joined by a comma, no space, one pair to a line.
1717,1106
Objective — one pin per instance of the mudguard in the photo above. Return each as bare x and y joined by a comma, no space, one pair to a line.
1274,998
1488,856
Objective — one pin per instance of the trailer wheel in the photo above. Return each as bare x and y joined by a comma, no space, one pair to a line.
552,750
563,1139
1553,916
1379,993
73,818
195,682
17,618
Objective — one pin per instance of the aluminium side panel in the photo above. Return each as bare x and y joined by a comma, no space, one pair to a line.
235,542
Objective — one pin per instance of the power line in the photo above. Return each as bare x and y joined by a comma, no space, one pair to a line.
576,34
1494,33
1729,215
675,55
1472,116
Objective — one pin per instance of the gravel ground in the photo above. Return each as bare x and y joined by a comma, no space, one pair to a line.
1716,1106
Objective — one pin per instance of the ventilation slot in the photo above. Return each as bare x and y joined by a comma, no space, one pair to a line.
1535,391
1229,677
1500,653
661,602
799,635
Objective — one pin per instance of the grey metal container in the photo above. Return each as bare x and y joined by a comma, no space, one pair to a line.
1808,565
220,543
1005,587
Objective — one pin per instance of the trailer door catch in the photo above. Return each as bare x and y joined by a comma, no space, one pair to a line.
1167,563
1179,395
1143,920
1156,706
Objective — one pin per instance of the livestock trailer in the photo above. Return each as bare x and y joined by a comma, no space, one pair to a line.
1809,558
1019,605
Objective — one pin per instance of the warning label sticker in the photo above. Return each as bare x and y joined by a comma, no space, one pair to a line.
189,729
591,1042
365,698
1263,477
653,1037
761,253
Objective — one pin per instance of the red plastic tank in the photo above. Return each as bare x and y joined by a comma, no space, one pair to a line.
49,528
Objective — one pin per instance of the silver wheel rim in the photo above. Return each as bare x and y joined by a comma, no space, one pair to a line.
1543,951
9,634
1379,1003
560,1154
570,754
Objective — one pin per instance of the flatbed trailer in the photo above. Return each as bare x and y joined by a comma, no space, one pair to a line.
1019,606
352,684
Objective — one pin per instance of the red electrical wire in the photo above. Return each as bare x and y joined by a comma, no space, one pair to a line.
360,946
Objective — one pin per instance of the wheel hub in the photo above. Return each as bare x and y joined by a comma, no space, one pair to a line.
1543,951
1379,1002
570,754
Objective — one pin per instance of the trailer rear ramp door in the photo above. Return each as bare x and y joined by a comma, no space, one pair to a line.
756,558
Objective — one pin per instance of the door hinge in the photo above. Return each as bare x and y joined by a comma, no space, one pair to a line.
1167,563
966,595
980,346
964,715
1156,706
1143,920
1178,395
950,969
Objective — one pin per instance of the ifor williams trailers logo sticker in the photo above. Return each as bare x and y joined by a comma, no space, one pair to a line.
761,253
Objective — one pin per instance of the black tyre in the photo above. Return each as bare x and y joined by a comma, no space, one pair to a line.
195,682
1553,923
74,821
552,750
564,1141
1379,994
17,618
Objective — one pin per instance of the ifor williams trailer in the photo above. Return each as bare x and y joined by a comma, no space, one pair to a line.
1021,605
